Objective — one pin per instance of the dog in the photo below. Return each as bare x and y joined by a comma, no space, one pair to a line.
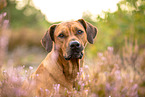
65,43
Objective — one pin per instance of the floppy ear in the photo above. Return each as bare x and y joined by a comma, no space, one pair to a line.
90,30
48,38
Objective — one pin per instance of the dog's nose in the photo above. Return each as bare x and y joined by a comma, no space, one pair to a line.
74,44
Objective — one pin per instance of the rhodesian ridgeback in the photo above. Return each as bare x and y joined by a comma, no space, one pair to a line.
65,43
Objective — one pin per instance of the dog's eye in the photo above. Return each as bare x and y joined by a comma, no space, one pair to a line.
61,35
80,32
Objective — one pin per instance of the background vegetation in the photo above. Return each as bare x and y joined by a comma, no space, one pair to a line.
116,60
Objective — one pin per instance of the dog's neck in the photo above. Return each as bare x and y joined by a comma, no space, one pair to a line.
70,68
66,68
60,68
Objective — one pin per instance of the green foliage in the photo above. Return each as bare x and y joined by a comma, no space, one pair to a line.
27,16
127,22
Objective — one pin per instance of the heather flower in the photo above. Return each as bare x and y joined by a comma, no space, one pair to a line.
56,88
30,67
37,74
107,75
47,91
110,49
100,54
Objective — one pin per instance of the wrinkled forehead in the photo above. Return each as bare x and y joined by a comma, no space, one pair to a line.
68,26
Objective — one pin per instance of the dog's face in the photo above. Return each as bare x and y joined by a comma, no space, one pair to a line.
70,38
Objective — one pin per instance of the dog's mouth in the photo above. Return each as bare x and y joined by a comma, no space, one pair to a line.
74,54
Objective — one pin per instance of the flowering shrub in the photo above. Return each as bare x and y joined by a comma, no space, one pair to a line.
107,75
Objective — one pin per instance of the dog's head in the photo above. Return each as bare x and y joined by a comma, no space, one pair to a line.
69,37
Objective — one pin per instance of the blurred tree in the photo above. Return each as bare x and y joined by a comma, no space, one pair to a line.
128,21
3,4
3,34
25,15
24,20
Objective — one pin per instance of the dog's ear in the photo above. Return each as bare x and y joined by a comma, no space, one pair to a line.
48,38
90,30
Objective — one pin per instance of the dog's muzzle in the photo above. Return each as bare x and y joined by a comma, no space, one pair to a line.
75,50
